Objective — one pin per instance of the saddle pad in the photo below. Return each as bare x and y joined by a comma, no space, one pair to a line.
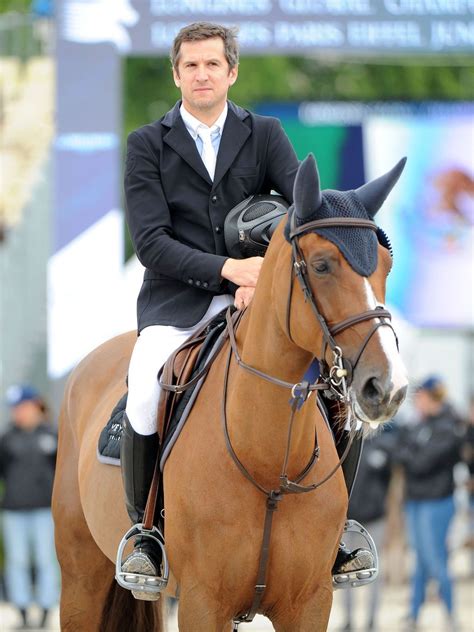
108,448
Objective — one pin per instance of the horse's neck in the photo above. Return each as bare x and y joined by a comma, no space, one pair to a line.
259,427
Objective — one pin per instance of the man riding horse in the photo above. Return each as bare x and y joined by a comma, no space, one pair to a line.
183,174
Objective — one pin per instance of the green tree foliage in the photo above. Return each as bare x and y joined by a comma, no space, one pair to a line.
150,91
22,6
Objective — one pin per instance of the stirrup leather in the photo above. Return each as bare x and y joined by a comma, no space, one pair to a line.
137,582
354,579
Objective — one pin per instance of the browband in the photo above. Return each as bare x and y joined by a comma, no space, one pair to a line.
335,221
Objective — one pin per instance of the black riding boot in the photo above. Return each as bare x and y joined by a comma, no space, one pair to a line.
360,559
138,456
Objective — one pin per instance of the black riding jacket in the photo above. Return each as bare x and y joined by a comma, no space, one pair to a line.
428,452
27,462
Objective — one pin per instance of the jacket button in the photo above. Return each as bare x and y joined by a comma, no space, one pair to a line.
205,284
218,229
190,281
198,283
214,199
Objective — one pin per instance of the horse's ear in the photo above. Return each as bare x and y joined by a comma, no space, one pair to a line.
307,190
374,193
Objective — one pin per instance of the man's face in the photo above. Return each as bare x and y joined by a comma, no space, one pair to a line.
203,76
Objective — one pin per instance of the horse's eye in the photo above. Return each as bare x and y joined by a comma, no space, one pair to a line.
320,266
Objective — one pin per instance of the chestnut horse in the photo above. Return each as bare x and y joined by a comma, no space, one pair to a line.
214,515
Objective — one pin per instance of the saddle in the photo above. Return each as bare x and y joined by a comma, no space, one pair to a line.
185,368
180,379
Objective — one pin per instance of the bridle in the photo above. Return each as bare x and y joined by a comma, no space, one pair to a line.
334,381
338,376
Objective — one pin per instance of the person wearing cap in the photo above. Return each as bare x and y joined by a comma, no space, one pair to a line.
428,452
27,462
183,175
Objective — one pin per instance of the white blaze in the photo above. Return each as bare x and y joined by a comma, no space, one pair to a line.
388,343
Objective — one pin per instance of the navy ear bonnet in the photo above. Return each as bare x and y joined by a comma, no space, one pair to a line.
357,245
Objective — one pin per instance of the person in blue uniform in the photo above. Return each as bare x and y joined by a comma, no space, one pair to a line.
27,463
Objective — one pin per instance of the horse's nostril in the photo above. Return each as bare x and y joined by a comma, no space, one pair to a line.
373,391
399,396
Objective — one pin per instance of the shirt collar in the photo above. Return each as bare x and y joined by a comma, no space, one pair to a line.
193,124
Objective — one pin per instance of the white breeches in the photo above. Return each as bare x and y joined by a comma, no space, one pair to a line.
153,347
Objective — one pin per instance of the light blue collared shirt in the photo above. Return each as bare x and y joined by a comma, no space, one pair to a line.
193,124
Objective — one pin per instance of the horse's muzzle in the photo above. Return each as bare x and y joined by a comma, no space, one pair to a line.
378,401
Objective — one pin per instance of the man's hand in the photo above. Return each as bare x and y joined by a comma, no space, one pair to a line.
243,296
242,272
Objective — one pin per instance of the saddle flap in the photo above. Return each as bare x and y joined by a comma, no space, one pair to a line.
186,366
185,361
176,370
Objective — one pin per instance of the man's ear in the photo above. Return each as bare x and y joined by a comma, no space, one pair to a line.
233,74
177,80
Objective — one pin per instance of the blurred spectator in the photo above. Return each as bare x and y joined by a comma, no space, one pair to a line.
367,506
27,462
468,457
428,451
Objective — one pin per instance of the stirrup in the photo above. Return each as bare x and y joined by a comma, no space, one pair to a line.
137,582
354,579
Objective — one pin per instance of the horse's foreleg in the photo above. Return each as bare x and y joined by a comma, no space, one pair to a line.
312,616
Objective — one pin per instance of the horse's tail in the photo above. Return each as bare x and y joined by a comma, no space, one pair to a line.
123,613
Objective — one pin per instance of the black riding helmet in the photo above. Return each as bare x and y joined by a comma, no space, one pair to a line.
250,225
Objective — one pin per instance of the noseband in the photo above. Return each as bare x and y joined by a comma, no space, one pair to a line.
339,376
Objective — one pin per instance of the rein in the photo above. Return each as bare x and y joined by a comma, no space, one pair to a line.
335,380
300,392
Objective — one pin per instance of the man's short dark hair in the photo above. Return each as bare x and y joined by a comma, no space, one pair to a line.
206,30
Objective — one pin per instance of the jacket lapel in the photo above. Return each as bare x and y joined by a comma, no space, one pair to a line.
234,135
179,139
